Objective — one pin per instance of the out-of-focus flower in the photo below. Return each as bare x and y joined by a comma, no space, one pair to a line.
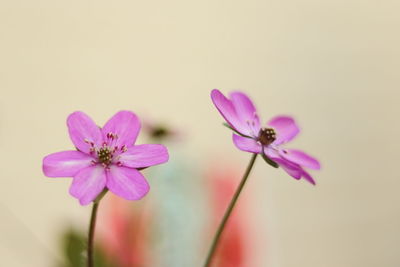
161,131
231,250
124,234
241,115
179,212
105,158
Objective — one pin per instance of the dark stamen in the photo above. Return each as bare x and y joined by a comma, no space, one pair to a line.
266,136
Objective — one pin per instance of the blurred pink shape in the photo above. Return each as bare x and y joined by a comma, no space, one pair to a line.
124,232
231,249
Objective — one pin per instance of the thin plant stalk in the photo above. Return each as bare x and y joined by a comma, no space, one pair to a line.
228,212
92,226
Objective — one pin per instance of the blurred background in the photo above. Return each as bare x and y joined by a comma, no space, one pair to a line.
334,65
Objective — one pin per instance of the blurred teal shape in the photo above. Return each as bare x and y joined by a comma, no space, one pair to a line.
179,211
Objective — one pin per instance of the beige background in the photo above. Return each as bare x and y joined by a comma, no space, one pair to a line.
332,64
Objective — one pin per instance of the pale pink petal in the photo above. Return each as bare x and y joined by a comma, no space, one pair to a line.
285,127
292,169
126,125
246,144
82,131
65,163
301,158
88,184
227,110
271,152
308,177
127,183
141,156
246,111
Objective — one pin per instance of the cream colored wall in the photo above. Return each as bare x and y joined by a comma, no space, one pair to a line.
332,64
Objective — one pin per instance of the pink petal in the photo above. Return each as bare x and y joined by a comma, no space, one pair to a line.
292,169
227,110
127,183
88,184
294,172
286,128
308,177
144,156
300,158
65,163
271,153
246,111
246,144
82,130
126,125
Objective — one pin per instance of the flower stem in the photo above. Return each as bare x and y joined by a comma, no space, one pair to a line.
228,212
92,226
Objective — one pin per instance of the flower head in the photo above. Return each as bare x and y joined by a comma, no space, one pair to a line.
106,158
241,116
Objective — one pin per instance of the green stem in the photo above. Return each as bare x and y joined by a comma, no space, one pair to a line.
92,226
228,212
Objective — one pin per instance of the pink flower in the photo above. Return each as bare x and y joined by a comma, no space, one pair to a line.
105,158
241,115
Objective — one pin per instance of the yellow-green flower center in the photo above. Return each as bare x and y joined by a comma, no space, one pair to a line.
105,155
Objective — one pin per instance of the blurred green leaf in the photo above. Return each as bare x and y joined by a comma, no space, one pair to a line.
74,251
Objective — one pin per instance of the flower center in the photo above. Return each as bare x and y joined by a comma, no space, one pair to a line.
105,155
109,153
266,136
